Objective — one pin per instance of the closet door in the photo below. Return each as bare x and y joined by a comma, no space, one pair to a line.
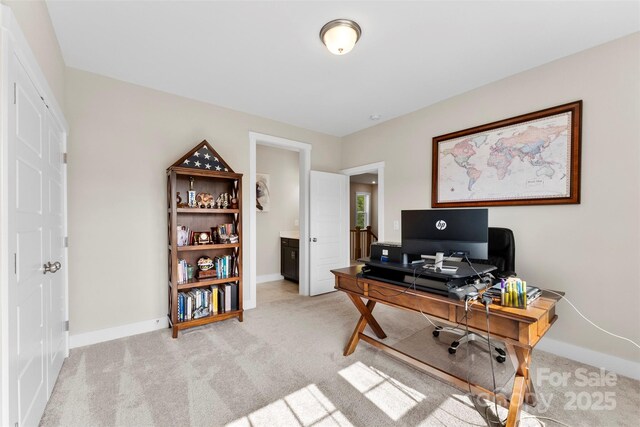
36,291
28,240
54,226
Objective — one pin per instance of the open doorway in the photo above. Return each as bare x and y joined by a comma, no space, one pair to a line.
303,152
363,214
277,221
366,212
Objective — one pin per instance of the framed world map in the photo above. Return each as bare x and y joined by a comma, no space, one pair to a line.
532,159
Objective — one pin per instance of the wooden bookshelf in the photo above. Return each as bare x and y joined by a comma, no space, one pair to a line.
213,182
205,320
196,283
205,211
205,247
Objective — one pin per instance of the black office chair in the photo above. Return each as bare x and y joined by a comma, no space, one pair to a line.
502,251
502,254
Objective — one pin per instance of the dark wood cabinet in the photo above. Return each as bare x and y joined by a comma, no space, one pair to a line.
289,258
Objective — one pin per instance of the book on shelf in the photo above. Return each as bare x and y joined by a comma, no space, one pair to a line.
224,265
182,271
234,296
195,303
227,297
214,299
221,299
226,233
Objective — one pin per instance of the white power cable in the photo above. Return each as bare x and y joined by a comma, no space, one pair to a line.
585,318
544,418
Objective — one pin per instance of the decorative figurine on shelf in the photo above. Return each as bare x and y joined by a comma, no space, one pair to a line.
179,199
183,236
205,263
234,203
223,201
192,194
205,267
204,200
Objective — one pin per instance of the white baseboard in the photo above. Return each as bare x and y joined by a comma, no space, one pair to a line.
627,368
102,335
269,278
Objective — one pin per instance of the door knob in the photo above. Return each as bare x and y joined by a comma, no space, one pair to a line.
314,240
51,268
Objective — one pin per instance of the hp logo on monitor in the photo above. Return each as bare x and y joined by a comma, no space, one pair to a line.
441,224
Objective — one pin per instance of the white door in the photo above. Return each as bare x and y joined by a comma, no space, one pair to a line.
36,300
55,289
328,228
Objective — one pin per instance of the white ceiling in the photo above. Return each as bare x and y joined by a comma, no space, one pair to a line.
266,58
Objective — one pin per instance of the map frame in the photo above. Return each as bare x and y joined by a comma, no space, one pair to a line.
574,111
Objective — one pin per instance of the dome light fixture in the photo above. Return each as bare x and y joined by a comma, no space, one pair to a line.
340,35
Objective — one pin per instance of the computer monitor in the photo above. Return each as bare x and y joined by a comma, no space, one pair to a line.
426,232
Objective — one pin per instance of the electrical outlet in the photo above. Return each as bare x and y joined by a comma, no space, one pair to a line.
396,225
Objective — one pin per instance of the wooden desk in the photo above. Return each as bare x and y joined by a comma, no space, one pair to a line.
519,329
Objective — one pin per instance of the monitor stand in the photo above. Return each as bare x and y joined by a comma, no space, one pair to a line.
445,269
432,258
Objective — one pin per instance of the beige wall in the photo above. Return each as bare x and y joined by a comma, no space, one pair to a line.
356,187
590,250
283,169
123,137
33,18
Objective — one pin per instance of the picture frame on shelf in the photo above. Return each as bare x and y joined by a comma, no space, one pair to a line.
202,238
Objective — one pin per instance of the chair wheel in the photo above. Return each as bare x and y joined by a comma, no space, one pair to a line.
501,359
452,350
436,333
455,344
501,352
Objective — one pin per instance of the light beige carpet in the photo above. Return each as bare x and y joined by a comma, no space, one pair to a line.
284,366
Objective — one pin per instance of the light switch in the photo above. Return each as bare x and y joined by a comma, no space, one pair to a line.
396,225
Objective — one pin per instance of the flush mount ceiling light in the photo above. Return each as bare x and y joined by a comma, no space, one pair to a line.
340,35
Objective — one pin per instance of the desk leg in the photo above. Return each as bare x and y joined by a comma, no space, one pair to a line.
365,311
516,402
523,389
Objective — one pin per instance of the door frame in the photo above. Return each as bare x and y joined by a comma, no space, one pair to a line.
13,42
304,156
378,168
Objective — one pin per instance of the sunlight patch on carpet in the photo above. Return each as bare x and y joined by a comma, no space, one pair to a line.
305,407
389,395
